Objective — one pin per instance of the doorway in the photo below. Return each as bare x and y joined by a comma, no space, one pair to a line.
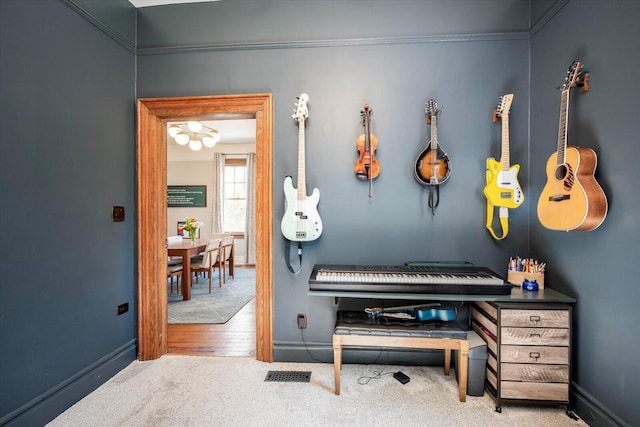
153,114
225,178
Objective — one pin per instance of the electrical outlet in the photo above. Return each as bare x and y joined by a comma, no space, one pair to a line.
302,321
123,308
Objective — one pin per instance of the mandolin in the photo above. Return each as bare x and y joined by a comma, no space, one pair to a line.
503,188
301,221
367,166
432,166
571,199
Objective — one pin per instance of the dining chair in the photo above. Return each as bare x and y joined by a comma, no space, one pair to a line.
210,259
175,260
199,256
174,264
174,271
227,248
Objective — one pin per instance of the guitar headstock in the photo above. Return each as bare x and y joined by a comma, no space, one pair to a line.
573,74
301,111
504,105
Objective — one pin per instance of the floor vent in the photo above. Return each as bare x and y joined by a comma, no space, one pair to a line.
289,376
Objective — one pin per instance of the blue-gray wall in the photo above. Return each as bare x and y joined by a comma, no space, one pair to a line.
352,53
394,58
67,127
61,79
595,266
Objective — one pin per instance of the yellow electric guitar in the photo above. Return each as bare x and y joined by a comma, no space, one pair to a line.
503,188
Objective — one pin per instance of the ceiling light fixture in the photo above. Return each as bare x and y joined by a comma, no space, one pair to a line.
195,134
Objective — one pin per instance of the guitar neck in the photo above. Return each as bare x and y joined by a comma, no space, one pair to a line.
434,133
504,158
562,127
302,190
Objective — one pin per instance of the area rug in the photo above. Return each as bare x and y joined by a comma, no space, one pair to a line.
218,306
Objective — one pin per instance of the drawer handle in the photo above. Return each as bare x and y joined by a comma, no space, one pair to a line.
534,355
534,319
534,335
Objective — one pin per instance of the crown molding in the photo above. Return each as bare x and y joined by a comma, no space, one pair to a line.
553,10
334,43
100,25
521,35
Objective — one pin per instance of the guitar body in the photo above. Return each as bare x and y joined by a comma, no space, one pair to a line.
432,166
503,188
572,199
301,221
438,314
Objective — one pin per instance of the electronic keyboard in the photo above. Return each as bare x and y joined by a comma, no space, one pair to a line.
407,279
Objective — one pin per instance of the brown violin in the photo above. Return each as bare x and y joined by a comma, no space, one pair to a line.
367,166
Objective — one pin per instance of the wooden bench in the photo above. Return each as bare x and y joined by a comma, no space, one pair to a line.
354,334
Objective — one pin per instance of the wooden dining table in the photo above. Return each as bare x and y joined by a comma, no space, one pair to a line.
186,249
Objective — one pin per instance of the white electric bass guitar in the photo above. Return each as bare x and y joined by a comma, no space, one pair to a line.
503,188
301,221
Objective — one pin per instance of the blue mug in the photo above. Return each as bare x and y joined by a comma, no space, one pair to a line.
530,285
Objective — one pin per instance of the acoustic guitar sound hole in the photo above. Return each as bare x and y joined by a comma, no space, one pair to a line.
561,172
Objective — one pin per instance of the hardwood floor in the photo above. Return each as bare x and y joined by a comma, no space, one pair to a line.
237,337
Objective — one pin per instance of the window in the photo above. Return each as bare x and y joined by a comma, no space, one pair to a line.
235,196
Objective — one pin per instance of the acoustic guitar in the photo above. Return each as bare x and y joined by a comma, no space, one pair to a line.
301,221
503,188
571,199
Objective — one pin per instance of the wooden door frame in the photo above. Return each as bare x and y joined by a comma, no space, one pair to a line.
153,115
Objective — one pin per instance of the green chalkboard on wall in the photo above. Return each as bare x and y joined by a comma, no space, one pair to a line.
186,196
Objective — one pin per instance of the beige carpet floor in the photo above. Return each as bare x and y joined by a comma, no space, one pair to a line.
230,391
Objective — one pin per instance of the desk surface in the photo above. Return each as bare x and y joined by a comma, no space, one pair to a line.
546,295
